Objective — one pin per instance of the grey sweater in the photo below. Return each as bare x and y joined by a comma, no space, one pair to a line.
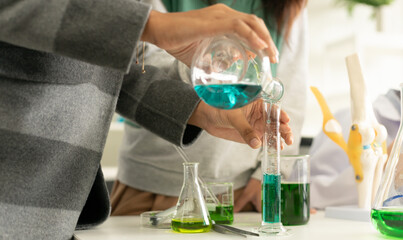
62,75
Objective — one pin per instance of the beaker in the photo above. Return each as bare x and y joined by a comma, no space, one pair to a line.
387,212
295,198
221,208
191,214
271,188
228,74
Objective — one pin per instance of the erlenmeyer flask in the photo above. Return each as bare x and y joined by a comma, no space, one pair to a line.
387,212
191,214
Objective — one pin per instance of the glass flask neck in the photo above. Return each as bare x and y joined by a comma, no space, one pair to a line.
272,90
190,172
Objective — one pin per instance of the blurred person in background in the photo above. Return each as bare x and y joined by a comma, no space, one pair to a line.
150,171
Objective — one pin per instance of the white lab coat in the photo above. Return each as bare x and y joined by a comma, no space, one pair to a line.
332,177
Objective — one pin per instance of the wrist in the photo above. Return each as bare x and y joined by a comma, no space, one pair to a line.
149,28
198,117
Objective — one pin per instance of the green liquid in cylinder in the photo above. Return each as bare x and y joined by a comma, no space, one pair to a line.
190,225
388,222
294,203
271,198
223,214
228,96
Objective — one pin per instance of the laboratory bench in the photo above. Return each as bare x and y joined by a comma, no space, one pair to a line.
318,227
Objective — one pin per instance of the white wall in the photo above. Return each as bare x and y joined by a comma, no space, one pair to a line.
335,34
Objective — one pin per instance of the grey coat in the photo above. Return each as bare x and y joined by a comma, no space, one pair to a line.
62,75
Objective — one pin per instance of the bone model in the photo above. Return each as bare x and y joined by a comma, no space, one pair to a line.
366,146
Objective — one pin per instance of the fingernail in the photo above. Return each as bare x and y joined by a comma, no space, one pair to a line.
262,44
255,143
277,58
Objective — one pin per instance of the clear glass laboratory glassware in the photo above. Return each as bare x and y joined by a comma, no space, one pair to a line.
191,214
295,196
387,212
221,208
228,74
271,181
155,219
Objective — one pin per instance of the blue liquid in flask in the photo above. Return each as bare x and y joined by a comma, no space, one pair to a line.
271,198
228,96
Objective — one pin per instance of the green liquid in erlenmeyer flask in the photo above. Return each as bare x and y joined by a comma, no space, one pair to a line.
388,222
190,225
271,198
228,96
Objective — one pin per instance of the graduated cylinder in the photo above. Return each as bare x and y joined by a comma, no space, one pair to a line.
271,181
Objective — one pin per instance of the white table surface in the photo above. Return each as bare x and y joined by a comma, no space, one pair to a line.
319,227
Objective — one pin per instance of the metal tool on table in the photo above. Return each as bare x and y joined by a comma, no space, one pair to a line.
225,229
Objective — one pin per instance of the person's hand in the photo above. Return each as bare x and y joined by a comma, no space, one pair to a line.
244,125
252,193
180,33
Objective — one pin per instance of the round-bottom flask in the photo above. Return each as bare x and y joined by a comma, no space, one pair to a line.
228,74
191,214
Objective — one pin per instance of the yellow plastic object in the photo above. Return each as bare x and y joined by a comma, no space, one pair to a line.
337,137
353,149
384,147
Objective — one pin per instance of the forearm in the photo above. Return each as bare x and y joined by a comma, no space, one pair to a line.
257,174
161,105
100,32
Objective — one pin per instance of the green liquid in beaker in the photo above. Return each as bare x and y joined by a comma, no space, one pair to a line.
271,198
190,225
388,222
228,96
294,203
223,214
